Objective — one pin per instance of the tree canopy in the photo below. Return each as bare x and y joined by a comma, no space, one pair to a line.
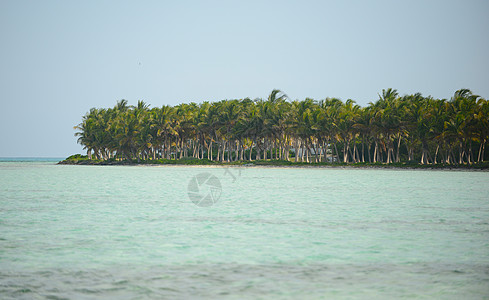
391,129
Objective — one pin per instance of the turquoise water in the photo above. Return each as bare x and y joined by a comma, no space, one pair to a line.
132,232
30,159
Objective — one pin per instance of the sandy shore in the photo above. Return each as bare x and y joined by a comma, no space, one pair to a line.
322,167
259,166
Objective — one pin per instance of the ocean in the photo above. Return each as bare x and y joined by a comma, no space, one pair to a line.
177,232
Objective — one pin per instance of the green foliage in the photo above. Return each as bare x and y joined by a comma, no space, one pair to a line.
77,157
395,130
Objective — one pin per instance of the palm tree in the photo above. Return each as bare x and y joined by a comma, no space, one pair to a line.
345,126
482,127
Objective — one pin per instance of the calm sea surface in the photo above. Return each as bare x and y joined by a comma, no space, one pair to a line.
132,232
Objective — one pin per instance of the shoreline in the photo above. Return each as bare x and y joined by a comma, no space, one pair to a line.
481,167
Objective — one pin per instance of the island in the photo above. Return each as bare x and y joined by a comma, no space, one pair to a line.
410,131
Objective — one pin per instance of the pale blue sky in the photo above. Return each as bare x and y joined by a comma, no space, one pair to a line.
60,58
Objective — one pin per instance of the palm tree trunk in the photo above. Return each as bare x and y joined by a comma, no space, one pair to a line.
228,150
351,154
368,152
425,157
210,150
375,152
336,151
480,151
322,156
236,152
460,160
296,150
355,153
398,159
380,154
436,154
363,149
389,154
218,158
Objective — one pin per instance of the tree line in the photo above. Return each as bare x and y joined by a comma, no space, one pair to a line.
391,129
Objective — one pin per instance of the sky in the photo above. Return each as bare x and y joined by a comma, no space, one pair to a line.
58,59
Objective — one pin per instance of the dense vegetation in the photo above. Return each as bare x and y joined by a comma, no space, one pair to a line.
392,129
